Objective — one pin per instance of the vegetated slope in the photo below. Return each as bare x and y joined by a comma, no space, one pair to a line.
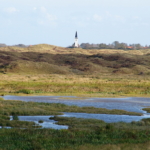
47,59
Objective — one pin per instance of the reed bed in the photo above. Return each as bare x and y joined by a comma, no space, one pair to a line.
31,108
82,133
87,135
75,85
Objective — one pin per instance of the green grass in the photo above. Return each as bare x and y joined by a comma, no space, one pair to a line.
1,99
147,109
100,86
125,146
92,124
100,135
15,117
15,108
82,133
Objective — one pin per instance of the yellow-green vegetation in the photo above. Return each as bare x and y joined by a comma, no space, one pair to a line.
74,140
81,85
5,122
125,146
45,48
45,69
147,109
15,108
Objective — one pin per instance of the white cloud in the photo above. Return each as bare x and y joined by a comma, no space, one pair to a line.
11,10
97,18
51,17
145,24
34,8
47,23
114,18
81,24
108,14
43,9
119,18
47,18
137,18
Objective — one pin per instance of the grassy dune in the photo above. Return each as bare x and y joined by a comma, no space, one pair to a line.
47,59
46,69
52,49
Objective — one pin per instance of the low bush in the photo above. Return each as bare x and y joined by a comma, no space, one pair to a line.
40,121
15,118
25,91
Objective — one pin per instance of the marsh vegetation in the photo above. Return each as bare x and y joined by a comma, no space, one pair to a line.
51,70
91,86
81,132
15,108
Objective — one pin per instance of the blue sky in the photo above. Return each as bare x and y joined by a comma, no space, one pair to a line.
56,21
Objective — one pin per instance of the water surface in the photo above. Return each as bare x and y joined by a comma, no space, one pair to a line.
109,118
47,123
133,104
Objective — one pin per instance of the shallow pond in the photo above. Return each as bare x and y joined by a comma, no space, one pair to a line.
47,123
107,117
133,104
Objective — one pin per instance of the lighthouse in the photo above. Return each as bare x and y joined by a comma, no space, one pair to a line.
76,44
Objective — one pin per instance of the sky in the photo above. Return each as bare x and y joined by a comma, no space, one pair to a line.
55,22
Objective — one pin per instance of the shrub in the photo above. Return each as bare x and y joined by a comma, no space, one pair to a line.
40,121
25,91
109,127
15,118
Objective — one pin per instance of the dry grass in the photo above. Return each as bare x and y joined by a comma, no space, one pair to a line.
47,59
83,85
45,48
143,146
47,69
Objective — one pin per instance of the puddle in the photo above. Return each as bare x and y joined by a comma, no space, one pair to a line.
47,123
5,127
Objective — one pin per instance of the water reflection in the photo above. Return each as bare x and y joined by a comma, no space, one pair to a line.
133,104
1,127
47,123
107,117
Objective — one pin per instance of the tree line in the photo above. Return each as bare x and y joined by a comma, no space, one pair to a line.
114,45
